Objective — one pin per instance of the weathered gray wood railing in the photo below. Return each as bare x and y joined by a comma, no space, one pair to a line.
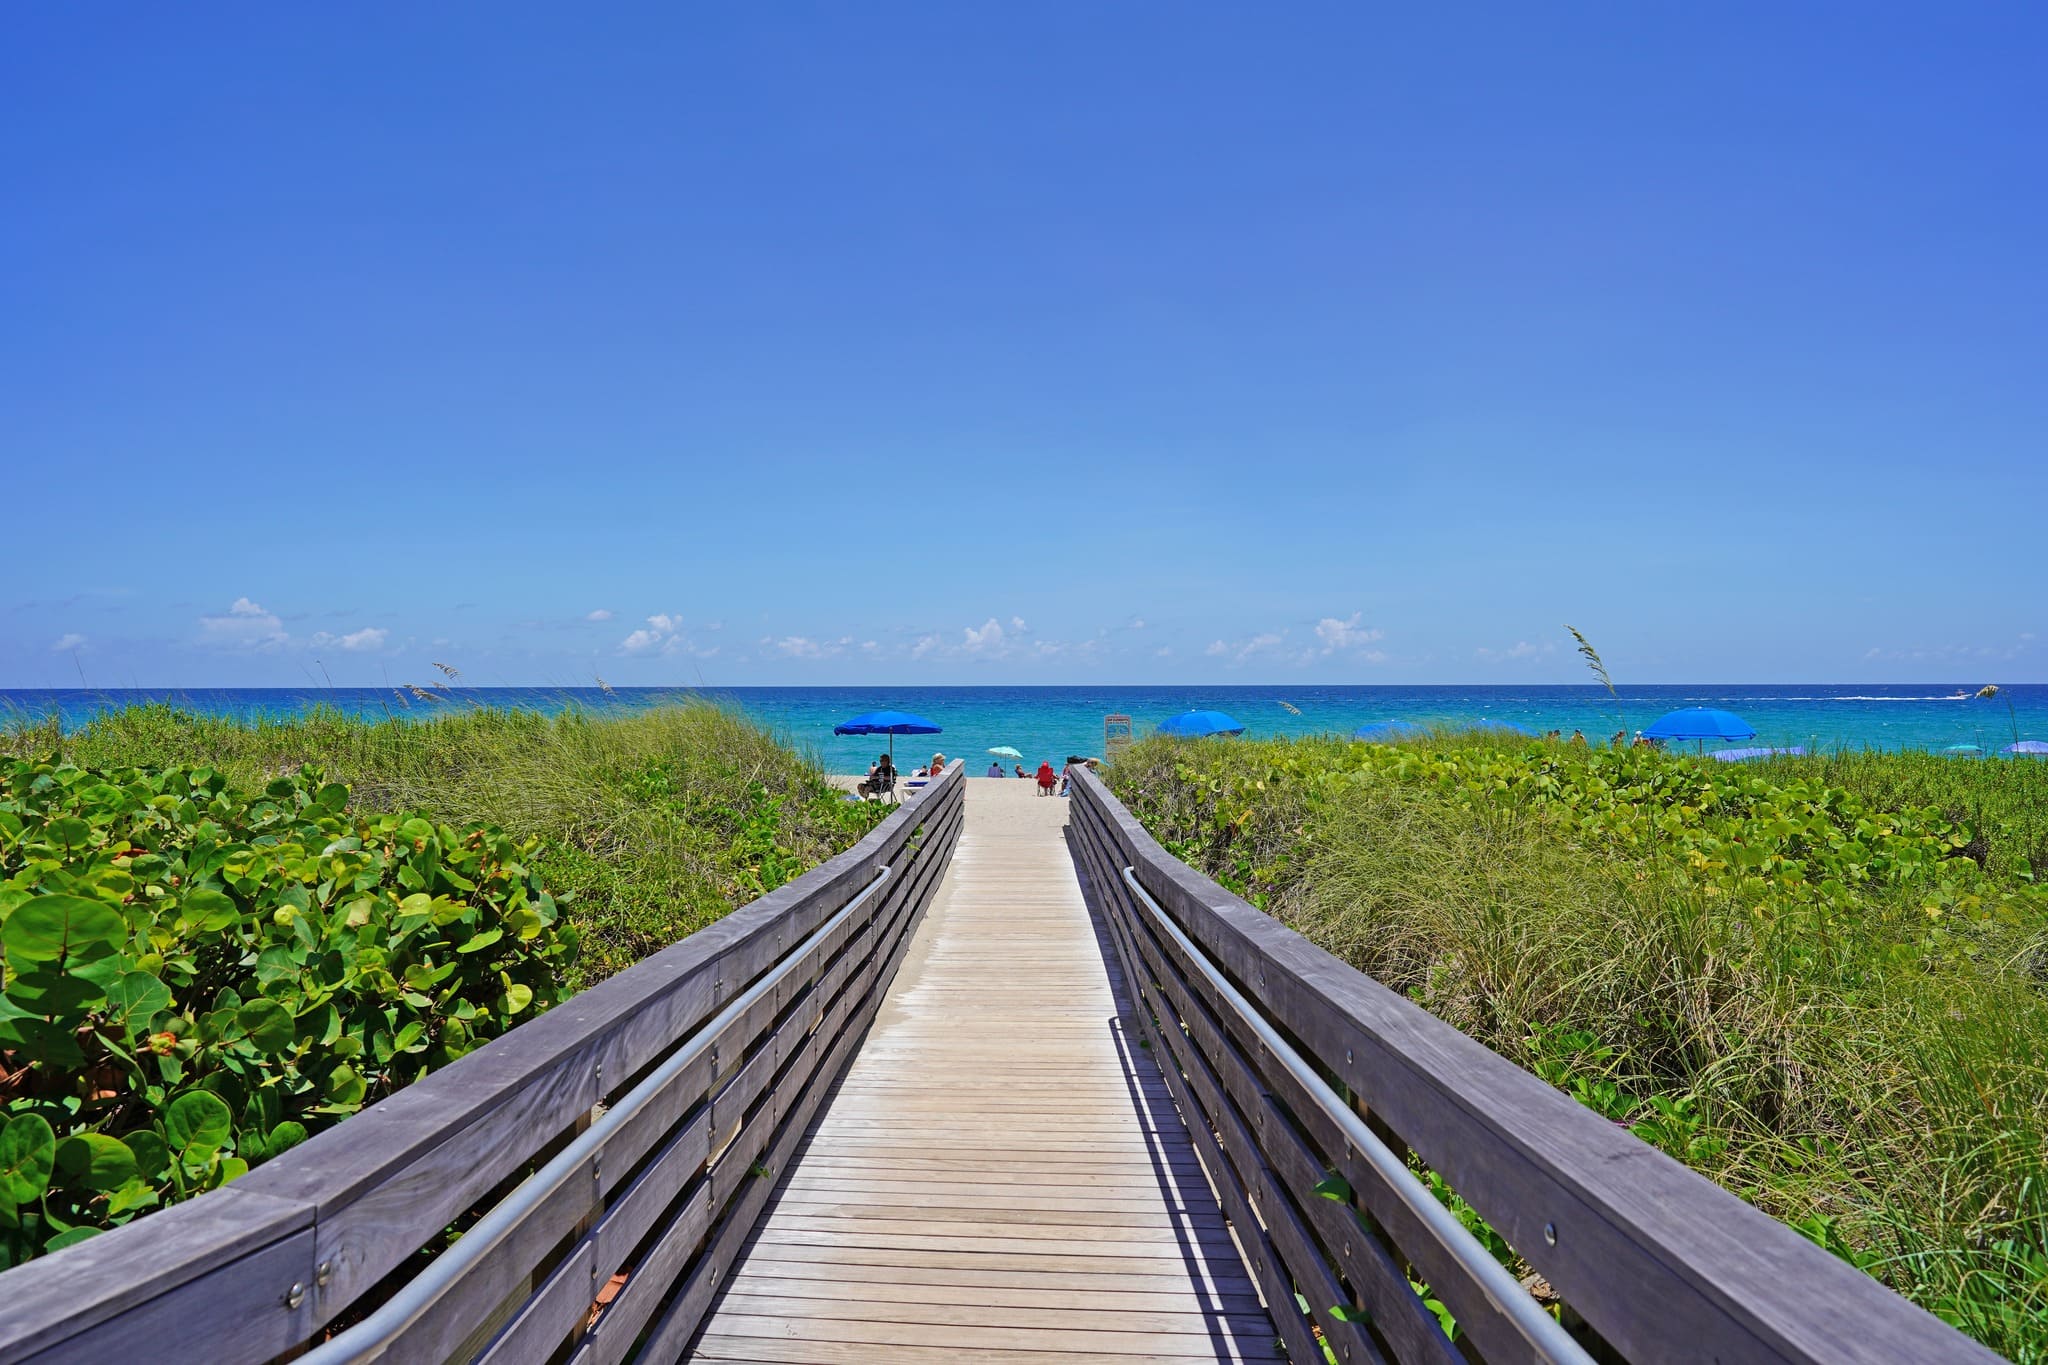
655,1105
1292,1067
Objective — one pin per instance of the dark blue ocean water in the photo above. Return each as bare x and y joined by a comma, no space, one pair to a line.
1052,722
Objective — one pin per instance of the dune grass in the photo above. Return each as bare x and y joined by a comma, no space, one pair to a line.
1822,984
654,823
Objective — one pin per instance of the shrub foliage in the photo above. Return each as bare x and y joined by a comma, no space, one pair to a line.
1830,1000
195,979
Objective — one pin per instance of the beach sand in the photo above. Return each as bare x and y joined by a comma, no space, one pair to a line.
1025,786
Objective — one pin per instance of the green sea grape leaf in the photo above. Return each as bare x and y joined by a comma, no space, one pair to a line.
288,1134
479,942
43,1042
267,1024
134,999
196,1124
210,910
135,1194
96,1161
56,994
345,1087
56,928
152,1157
28,1153
71,1237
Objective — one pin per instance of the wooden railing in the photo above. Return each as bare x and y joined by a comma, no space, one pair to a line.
1307,1086
635,1130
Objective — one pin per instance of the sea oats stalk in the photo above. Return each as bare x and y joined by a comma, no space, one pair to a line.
1592,658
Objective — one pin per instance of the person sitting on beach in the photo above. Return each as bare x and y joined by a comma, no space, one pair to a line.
995,769
881,776
1021,772
1067,774
938,768
1579,738
1045,778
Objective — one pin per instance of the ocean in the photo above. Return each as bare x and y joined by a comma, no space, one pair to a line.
1053,722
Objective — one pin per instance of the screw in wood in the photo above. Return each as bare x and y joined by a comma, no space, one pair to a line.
1550,1234
295,1296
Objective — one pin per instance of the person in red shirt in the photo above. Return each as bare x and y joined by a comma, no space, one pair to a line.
1045,778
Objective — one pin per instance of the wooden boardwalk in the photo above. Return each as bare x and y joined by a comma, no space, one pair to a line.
999,1176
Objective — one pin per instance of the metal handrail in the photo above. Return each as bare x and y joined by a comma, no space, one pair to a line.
1544,1334
380,1331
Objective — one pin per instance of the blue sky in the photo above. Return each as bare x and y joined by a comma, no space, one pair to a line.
1066,343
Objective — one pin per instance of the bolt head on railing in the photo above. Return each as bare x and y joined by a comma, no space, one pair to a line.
1550,1234
296,1295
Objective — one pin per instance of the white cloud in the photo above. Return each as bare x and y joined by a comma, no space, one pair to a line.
1346,634
663,633
926,644
245,626
803,647
601,614
1163,652
1017,624
68,642
987,640
369,637
1259,643
1135,623
1520,649
1267,644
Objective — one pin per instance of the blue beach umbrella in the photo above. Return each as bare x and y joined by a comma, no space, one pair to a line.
1200,723
890,723
2027,746
1386,731
1701,722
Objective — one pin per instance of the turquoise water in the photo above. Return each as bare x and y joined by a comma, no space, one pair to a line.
1053,722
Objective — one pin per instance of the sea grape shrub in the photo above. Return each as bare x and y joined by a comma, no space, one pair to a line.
1774,847
196,979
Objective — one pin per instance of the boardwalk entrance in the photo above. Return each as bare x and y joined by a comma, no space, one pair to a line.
1001,1175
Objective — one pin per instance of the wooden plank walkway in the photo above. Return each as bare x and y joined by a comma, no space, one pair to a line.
999,1176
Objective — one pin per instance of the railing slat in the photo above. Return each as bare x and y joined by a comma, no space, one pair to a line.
49,1300
238,1304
